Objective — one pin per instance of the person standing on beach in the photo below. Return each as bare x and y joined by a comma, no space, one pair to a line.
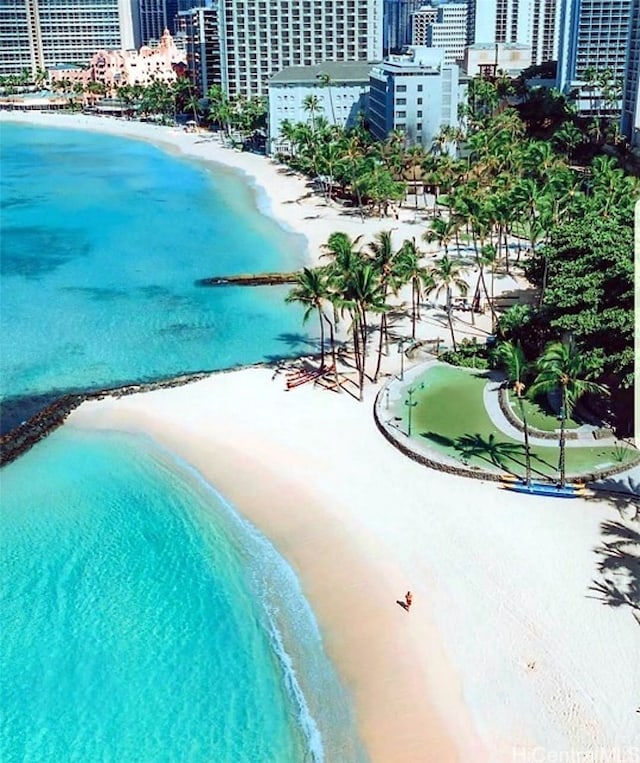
408,598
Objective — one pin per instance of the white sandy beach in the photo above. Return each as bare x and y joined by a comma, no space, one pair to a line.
505,655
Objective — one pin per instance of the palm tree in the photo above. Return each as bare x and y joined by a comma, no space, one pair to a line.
362,293
385,262
325,81
446,277
513,360
411,271
562,366
311,290
311,104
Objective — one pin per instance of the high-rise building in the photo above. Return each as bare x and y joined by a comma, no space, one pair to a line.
258,39
545,30
421,20
594,37
197,30
154,16
529,22
396,30
630,125
38,34
449,31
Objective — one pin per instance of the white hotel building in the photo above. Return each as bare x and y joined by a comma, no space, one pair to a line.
261,37
416,93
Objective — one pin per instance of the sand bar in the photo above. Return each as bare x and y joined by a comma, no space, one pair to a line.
504,653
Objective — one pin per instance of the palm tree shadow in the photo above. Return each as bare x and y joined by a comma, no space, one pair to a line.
619,566
298,342
490,449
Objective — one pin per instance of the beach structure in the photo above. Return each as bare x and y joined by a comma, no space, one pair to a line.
489,58
115,68
258,40
341,90
416,93
594,38
38,34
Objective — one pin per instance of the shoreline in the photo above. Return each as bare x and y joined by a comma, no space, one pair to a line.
279,193
451,679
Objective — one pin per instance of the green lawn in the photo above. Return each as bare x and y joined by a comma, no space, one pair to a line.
450,407
539,416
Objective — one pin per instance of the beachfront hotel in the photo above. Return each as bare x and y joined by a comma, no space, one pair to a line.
414,92
39,34
594,36
261,37
340,98
115,68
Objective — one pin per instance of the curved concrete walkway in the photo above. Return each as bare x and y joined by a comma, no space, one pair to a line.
626,481
585,437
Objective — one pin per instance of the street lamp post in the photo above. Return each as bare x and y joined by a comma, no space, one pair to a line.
411,404
401,351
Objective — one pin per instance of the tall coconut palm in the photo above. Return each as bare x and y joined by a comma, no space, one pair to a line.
514,362
385,263
311,291
311,104
362,294
562,367
411,271
448,276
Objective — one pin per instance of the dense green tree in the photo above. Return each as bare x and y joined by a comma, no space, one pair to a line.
563,367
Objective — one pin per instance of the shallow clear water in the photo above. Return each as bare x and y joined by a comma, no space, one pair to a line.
144,621
102,242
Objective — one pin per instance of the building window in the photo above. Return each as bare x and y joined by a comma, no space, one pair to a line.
419,88
401,89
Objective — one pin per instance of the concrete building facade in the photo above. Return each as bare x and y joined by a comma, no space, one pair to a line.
197,34
39,34
341,91
397,25
421,20
630,123
115,68
416,93
449,31
594,35
488,59
529,22
260,37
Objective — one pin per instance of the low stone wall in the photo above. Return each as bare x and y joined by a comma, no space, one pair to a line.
478,473
21,439
505,407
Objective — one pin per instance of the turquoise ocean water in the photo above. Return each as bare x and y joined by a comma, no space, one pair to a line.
103,241
142,618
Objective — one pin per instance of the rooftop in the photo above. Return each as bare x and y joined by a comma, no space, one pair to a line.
338,71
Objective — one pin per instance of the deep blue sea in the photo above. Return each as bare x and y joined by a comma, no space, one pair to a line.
143,620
